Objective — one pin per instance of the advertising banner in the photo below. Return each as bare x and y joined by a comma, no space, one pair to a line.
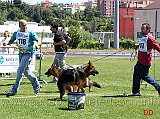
10,62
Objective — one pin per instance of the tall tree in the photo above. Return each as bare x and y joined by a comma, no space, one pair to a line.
15,14
17,3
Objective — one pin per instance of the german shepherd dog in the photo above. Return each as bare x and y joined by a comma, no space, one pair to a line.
53,71
57,72
73,79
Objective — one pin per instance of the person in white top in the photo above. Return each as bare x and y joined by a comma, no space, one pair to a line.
4,42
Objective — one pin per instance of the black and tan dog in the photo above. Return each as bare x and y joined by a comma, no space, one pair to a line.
73,79
53,71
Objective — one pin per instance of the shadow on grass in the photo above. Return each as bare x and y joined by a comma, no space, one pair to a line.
22,83
6,84
4,94
50,82
63,109
49,91
121,96
115,96
56,99
70,109
66,109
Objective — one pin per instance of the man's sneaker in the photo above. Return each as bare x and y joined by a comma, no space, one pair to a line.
37,91
40,86
9,93
55,79
158,89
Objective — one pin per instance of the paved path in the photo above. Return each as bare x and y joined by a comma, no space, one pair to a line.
102,53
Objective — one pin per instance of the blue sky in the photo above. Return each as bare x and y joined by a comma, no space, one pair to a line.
56,1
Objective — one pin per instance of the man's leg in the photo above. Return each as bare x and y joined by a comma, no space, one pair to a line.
23,63
62,61
33,79
151,81
56,63
136,80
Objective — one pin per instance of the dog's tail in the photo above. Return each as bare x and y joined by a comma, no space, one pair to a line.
95,84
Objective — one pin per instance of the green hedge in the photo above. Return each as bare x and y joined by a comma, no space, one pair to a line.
92,44
125,43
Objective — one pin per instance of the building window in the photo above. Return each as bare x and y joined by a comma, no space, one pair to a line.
158,34
139,35
141,2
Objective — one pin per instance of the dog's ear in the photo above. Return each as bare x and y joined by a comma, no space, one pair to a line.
52,66
90,64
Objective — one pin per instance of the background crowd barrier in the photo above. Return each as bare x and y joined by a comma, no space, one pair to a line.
9,61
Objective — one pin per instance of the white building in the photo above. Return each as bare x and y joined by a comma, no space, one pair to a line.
151,16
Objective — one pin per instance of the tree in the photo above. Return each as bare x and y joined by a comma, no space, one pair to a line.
110,23
30,12
47,15
36,16
17,3
74,33
15,14
2,19
42,23
86,35
90,19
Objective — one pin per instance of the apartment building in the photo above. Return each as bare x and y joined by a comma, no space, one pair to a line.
46,3
73,7
107,6
130,20
149,14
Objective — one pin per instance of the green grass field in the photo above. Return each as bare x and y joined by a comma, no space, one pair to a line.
108,102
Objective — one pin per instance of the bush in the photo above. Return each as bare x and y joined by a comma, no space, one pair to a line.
92,44
124,43
76,37
87,44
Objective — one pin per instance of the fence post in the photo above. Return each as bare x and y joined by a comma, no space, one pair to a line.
107,43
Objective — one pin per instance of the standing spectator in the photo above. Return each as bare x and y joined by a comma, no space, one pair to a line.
60,46
141,69
4,42
27,41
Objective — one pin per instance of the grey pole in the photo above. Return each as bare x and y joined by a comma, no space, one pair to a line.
116,24
40,60
156,39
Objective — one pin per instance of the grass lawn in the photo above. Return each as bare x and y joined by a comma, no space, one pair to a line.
108,102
